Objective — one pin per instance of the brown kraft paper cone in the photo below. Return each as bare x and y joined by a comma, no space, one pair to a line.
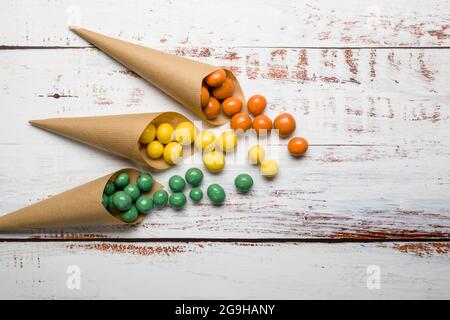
178,77
79,207
118,134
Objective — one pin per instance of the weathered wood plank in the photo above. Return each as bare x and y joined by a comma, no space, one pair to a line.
284,23
225,270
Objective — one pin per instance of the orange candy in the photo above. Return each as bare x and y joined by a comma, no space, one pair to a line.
225,90
216,78
211,111
204,96
241,121
231,106
262,123
256,104
297,146
285,123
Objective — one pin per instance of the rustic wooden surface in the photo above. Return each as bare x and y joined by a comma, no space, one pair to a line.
368,83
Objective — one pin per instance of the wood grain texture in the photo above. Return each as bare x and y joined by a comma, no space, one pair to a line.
225,270
265,23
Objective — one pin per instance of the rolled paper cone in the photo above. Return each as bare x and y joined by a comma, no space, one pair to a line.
79,207
178,77
118,134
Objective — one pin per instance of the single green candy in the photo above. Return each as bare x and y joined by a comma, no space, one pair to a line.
176,183
243,182
160,198
130,215
122,201
144,204
196,194
122,180
194,176
133,191
216,194
177,200
145,182
111,207
110,188
105,200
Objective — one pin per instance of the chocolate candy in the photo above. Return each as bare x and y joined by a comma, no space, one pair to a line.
160,198
110,188
145,182
105,200
130,215
177,200
243,182
194,176
133,191
144,204
196,194
122,180
177,183
122,201
216,194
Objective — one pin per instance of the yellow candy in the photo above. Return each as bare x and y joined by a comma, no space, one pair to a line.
214,161
205,140
148,135
155,149
185,133
256,154
164,133
227,141
269,168
173,152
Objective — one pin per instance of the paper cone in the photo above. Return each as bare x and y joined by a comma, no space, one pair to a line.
79,207
178,77
118,134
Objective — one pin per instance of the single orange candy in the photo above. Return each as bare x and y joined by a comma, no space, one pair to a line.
211,111
231,106
241,121
285,124
225,90
204,96
262,124
216,78
297,146
256,104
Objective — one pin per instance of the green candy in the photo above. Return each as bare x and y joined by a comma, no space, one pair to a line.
160,198
144,204
105,200
145,182
133,191
243,182
177,200
177,183
196,194
110,188
122,180
111,207
122,201
194,176
216,194
130,215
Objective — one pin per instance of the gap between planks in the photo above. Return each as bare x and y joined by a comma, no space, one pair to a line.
2,47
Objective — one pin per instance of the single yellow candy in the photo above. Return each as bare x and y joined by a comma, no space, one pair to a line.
214,161
155,149
164,133
148,135
227,141
205,140
256,154
173,152
185,133
269,168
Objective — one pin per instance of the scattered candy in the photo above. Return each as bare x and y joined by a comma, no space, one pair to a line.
122,201
148,135
297,146
177,183
243,182
216,194
231,106
241,121
144,204
155,149
160,198
130,215
256,154
227,141
205,140
173,152
204,96
214,161
216,78
269,168
262,124
194,176
177,200
110,188
164,133
133,191
196,194
225,90
122,180
145,182
256,104
285,124
211,111
184,133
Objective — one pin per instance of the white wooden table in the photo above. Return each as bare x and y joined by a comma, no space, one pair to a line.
366,214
